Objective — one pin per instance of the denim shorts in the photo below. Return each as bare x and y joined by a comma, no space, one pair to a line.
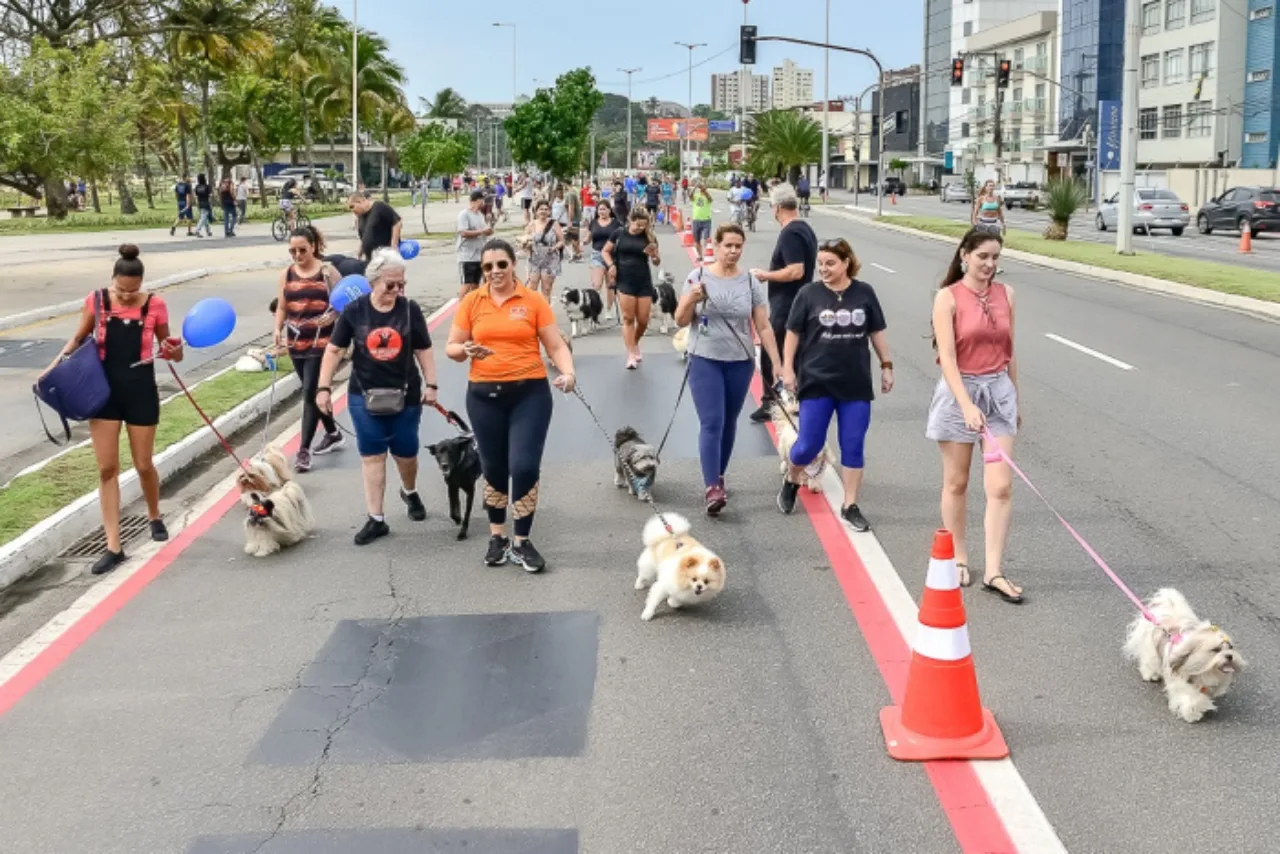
597,259
378,434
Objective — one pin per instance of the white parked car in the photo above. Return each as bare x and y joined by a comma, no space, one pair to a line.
300,174
1021,194
956,191
1152,208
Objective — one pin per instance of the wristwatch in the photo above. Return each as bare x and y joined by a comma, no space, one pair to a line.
325,389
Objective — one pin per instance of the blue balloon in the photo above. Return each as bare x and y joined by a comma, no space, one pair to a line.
209,322
409,249
347,290
747,194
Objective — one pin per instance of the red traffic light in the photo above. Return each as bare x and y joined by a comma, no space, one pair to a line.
957,72
1002,75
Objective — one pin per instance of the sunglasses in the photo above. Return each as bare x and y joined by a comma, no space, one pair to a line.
495,265
836,243
393,286
299,250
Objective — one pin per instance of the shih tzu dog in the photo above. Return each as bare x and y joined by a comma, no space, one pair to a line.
1196,661
583,305
785,414
279,513
635,463
675,567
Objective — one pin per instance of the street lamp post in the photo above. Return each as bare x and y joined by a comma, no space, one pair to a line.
514,87
745,91
826,102
684,136
355,96
629,72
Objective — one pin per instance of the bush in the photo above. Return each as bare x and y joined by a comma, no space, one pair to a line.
1062,198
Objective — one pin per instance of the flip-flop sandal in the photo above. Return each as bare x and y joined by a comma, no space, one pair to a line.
966,579
991,588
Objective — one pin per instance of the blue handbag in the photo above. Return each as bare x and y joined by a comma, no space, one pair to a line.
76,388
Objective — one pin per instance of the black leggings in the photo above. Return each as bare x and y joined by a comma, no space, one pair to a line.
510,421
308,370
779,310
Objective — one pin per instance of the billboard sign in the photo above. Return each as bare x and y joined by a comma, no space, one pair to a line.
671,130
723,125
1109,128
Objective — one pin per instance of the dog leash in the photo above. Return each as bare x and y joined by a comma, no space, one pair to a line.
226,446
998,455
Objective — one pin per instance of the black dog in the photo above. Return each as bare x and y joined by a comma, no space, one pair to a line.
665,301
583,305
459,462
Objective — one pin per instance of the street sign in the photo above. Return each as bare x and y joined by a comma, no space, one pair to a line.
1064,160
723,125
1109,129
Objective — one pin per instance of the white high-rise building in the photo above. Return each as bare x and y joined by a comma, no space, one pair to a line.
726,91
792,86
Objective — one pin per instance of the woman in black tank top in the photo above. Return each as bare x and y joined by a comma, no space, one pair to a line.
631,252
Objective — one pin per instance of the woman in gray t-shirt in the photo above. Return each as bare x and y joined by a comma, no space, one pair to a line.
723,302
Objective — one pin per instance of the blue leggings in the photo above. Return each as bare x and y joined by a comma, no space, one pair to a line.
815,418
719,390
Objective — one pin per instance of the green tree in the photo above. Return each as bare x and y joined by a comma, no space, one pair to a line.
257,114
435,149
447,104
669,163
899,165
394,121
781,142
551,130
302,55
379,81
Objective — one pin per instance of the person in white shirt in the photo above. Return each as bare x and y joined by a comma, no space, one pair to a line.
473,228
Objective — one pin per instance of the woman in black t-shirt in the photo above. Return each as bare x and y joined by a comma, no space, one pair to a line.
630,252
834,322
602,228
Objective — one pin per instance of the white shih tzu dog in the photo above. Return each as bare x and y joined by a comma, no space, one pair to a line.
786,420
279,513
1196,661
676,567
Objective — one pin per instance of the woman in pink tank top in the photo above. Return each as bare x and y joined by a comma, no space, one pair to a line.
973,332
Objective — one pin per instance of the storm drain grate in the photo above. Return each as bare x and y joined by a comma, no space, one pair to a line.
94,544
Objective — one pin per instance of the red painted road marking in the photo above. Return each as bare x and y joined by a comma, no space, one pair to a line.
34,672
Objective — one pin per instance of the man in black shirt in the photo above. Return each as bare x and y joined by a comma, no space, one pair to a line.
379,224
791,268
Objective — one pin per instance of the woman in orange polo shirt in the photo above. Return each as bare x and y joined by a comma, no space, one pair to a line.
499,327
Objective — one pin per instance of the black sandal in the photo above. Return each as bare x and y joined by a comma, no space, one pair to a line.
991,588
967,575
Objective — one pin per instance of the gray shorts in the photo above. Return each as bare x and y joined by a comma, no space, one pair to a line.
995,396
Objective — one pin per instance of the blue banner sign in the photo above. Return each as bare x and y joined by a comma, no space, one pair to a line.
1109,130
723,125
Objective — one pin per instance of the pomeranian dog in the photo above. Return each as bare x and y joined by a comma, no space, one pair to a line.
681,342
666,301
676,567
1196,661
785,414
584,306
635,463
279,513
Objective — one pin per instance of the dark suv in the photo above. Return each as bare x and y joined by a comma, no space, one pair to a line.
1258,206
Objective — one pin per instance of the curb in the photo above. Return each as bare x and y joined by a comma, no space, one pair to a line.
72,306
1245,305
37,546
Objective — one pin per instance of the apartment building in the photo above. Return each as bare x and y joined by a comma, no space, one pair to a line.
1261,143
792,86
727,89
1191,101
1091,51
1024,111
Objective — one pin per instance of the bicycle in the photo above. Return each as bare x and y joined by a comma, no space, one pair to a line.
280,228
752,209
804,207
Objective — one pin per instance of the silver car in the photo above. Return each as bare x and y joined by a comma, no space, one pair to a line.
955,192
1151,209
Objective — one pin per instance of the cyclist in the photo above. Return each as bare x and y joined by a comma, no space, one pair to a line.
802,192
753,184
288,198
736,208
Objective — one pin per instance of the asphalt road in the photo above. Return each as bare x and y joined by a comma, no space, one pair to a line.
1221,247
748,728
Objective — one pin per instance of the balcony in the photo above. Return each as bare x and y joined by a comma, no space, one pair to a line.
1037,64
1034,106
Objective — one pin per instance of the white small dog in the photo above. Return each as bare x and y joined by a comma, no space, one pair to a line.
680,341
676,567
786,419
279,513
1195,660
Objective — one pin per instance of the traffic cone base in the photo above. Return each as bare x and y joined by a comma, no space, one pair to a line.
908,746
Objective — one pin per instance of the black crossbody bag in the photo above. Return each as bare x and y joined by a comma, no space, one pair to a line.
390,401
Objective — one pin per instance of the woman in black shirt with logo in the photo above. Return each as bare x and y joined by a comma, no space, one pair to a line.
630,252
833,325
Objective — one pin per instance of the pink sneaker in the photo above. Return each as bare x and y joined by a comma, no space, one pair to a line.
632,364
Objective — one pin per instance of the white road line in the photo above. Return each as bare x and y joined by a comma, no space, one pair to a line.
1124,366
886,269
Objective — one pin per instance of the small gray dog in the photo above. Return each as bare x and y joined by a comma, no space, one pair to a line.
635,463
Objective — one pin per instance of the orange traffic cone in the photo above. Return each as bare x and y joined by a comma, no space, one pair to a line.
942,716
708,254
686,236
1246,239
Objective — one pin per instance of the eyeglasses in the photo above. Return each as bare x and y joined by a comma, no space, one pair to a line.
495,265
299,250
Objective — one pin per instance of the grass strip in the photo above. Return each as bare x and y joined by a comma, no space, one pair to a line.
33,497
1223,278
162,217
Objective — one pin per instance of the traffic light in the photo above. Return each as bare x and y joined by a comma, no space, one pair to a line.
747,45
1002,74
957,71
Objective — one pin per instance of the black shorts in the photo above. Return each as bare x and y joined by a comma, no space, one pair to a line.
471,272
653,211
802,196
639,290
527,203
136,403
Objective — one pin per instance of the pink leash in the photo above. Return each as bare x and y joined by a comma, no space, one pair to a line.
996,455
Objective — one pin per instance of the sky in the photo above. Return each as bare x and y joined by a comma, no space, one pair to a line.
453,43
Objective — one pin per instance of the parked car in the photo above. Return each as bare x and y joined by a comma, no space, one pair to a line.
300,174
895,187
1258,206
1152,208
1022,194
956,191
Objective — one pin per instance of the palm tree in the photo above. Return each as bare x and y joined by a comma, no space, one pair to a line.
447,104
302,55
393,121
221,35
378,78
784,141
247,93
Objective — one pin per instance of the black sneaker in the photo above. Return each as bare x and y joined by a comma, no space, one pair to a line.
416,511
372,530
854,517
764,414
787,496
159,532
526,556
302,462
497,553
109,561
328,443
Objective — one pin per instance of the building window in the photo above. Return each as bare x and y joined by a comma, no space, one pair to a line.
1175,14
1203,10
1255,137
1151,18
1172,122
1200,61
1148,122
1260,76
965,95
1017,58
1150,71
1199,119
968,28
1259,14
1172,66
1042,48
1039,131
964,130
